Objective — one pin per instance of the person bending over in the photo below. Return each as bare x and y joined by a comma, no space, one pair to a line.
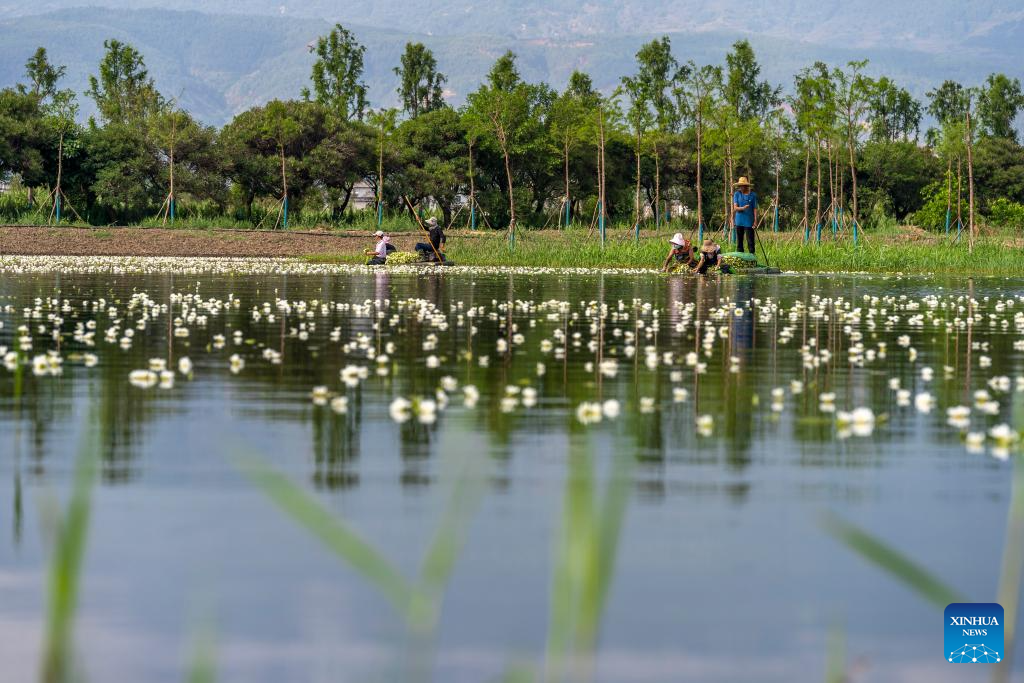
379,254
680,255
435,242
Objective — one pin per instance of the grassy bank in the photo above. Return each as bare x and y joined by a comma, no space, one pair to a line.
896,251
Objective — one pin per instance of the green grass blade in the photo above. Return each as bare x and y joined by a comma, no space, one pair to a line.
332,532
892,561
65,572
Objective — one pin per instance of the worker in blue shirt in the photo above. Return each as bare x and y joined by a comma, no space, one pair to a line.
744,213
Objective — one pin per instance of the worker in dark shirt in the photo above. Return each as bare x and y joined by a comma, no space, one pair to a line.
436,241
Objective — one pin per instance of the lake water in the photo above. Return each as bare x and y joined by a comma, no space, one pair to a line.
724,568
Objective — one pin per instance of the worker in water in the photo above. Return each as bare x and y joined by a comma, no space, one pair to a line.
680,255
710,255
744,201
379,254
433,248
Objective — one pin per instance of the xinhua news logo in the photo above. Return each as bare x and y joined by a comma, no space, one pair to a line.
974,633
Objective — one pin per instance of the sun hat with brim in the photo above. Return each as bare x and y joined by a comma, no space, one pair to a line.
709,244
678,240
379,233
432,222
743,182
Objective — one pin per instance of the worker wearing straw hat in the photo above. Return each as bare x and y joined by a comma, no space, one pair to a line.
744,201
680,255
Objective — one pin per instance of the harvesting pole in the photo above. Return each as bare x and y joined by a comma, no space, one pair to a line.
472,190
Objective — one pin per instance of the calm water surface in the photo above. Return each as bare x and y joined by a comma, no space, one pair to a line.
724,571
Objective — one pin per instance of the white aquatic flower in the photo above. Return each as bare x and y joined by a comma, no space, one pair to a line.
166,379
546,346
796,387
470,396
90,360
680,394
432,361
157,364
350,375
339,404
541,369
1003,436
426,411
449,383
609,367
924,402
984,362
185,365
705,425
236,363
646,404
610,409
588,413
501,346
958,417
894,383
400,409
861,421
903,398
143,379
180,332
320,394
927,374
529,397
508,403
675,376
975,442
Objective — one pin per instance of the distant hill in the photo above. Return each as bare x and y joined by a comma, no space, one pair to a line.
223,63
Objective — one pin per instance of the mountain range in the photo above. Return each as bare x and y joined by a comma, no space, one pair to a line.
251,51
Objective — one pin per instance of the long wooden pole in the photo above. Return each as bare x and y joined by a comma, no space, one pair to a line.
420,223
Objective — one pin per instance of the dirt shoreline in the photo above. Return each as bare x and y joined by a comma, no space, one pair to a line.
67,241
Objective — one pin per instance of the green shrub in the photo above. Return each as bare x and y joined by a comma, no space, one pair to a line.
1006,213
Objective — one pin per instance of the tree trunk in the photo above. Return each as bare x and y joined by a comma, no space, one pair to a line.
568,203
472,182
807,184
970,182
817,211
700,200
853,174
657,186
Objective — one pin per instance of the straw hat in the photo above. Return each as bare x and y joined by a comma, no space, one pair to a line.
677,239
742,182
379,233
709,245
432,222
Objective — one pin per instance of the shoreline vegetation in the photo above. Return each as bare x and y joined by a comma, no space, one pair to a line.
902,250
839,148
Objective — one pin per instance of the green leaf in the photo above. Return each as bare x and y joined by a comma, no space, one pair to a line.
891,560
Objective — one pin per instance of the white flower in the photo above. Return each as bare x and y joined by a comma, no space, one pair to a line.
860,422
449,383
143,379
927,374
924,402
400,410
975,442
778,393
903,398
508,403
90,360
705,425
470,396
350,375
610,408
529,397
320,395
1003,435
796,386
588,413
959,417
646,404
236,363
339,404
680,394
166,379
185,365
894,383
157,364
432,361
426,411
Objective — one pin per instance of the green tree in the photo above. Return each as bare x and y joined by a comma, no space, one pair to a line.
421,84
569,116
433,150
42,75
337,73
946,103
124,93
895,114
384,122
999,102
696,97
749,97
853,91
500,109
